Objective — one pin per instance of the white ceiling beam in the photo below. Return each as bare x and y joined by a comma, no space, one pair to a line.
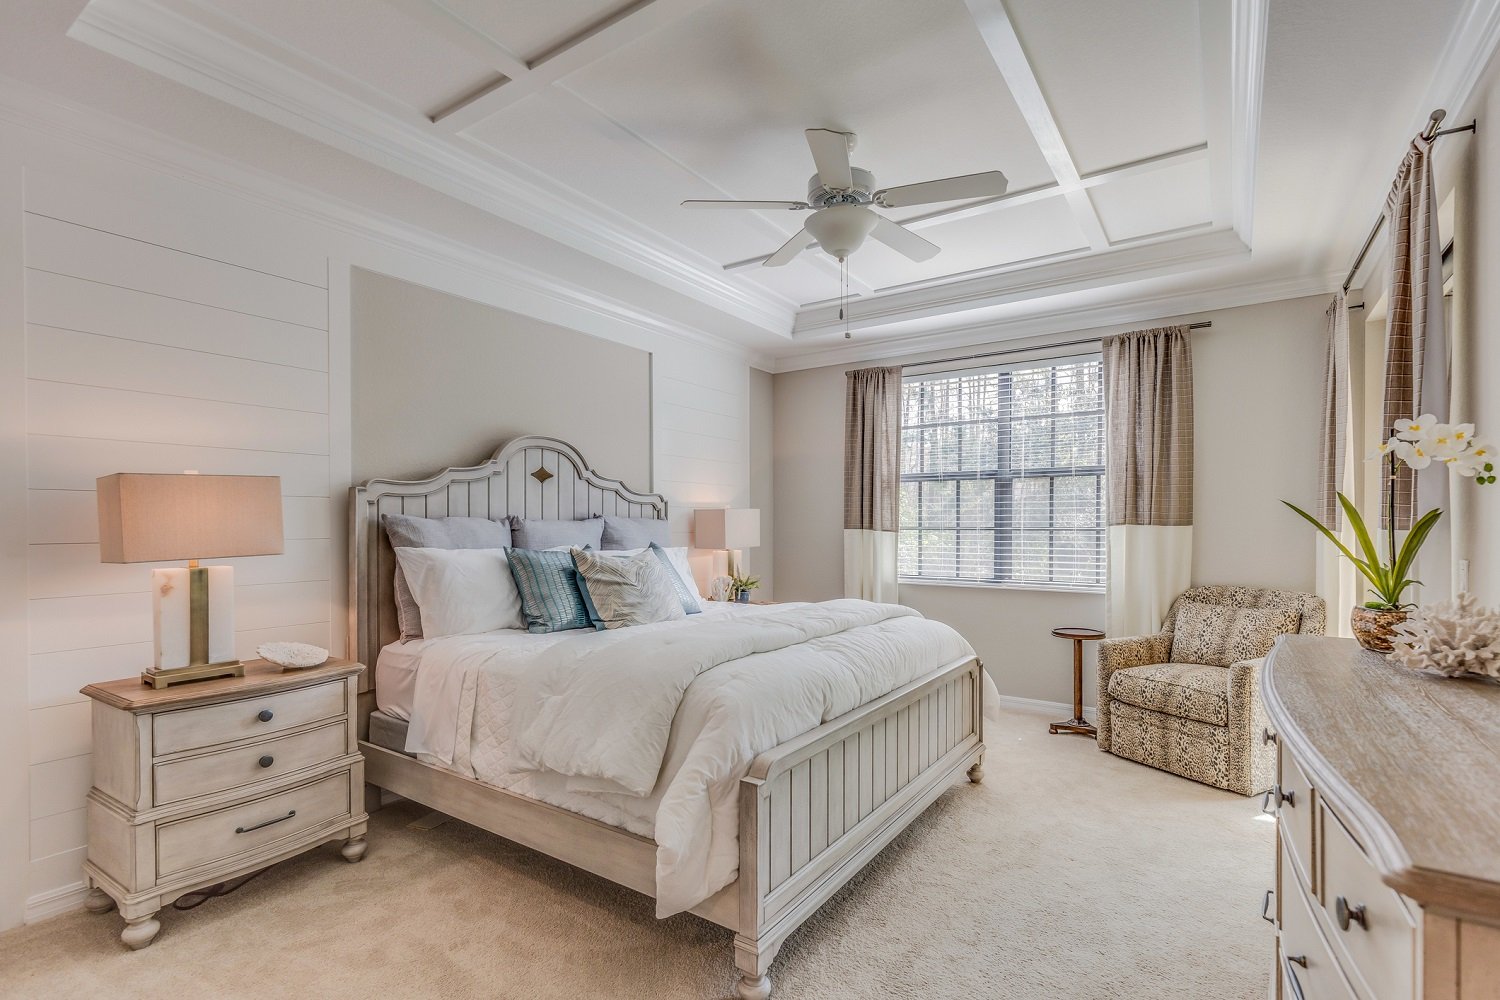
586,46
999,36
434,16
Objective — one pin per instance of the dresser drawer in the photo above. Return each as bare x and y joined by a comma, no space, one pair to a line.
222,770
1295,809
216,836
211,725
1380,950
1308,969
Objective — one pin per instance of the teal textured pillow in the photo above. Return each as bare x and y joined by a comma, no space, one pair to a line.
685,593
548,584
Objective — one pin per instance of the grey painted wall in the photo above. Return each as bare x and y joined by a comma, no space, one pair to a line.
440,381
1258,378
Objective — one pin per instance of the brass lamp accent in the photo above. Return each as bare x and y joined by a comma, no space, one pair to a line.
146,517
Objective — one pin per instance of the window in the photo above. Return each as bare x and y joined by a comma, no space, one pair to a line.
1002,475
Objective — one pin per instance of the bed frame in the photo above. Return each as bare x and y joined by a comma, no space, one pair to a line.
812,811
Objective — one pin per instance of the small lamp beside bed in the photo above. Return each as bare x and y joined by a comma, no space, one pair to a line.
730,529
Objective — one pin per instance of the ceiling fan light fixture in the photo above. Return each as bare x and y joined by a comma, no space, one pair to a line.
841,229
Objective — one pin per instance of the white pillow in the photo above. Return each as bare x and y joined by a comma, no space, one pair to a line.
462,591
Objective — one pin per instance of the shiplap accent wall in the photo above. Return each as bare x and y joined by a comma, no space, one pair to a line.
172,320
149,358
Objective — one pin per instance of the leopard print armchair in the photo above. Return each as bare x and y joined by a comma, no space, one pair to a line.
1199,721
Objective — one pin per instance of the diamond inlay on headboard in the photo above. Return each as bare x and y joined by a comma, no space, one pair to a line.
541,475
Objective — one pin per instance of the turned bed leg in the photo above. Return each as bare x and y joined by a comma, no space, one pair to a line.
976,771
98,901
754,987
754,963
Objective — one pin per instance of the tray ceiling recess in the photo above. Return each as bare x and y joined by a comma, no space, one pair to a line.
1127,132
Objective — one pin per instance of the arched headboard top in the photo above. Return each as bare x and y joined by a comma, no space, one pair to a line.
530,476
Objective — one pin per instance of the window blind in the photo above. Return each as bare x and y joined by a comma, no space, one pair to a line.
1002,475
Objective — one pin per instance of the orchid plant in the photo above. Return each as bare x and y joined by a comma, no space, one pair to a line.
1417,444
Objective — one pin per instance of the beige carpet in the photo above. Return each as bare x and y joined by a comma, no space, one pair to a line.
1068,873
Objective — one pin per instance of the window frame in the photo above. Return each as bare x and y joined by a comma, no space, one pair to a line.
1002,523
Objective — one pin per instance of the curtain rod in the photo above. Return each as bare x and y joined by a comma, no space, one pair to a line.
1204,325
1431,132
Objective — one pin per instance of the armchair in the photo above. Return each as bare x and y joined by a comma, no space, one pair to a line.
1200,721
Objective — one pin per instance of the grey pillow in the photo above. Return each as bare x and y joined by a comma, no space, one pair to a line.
406,531
533,534
635,532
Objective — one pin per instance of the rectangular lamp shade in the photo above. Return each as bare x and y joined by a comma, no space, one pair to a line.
146,517
719,528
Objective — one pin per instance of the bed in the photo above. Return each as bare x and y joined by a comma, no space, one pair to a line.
805,815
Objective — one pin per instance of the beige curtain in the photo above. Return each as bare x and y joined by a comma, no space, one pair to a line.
1148,400
872,483
1335,576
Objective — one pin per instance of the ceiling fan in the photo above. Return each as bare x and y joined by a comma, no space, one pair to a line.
842,198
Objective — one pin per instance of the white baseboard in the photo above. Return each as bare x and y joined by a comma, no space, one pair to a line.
1058,708
56,901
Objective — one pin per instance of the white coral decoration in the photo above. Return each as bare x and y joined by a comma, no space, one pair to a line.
298,655
1452,638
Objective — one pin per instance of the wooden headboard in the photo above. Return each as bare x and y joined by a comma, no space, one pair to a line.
534,477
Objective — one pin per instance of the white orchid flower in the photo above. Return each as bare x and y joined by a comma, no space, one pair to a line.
1416,454
1416,430
1383,449
1444,442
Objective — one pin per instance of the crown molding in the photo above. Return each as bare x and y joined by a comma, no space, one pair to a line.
202,49
1085,271
1470,47
1248,67
40,111
1128,312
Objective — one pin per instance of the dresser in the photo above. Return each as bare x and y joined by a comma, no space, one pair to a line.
1387,805
200,783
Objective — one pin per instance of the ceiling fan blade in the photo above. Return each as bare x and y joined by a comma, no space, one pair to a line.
830,151
904,241
795,206
789,249
989,184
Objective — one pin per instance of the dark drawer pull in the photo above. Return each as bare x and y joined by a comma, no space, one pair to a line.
266,715
1265,802
266,761
1267,737
269,822
1290,798
1291,975
1347,914
1265,907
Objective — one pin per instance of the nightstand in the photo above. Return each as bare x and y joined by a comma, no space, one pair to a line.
204,782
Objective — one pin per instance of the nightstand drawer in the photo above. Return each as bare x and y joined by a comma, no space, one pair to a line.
1305,956
227,769
189,843
1376,933
266,715
1295,808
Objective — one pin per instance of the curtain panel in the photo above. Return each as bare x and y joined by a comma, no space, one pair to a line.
1416,354
1335,576
1148,401
872,483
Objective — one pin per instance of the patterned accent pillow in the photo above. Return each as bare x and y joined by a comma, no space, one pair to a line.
548,583
687,589
1221,636
622,591
407,531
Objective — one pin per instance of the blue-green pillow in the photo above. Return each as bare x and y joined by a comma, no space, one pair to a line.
551,600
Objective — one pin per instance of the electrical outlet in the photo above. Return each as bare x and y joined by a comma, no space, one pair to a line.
1463,575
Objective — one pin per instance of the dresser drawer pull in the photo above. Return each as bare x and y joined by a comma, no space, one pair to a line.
1291,975
266,715
266,761
1290,798
1347,914
269,822
1267,737
1265,907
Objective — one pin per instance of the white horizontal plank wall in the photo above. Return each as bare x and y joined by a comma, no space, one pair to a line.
169,313
204,353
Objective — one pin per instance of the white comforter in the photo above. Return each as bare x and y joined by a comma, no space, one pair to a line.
665,719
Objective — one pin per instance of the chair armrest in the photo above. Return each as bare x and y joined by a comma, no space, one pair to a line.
1135,651
1244,688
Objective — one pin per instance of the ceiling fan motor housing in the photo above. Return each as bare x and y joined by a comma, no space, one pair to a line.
841,229
820,196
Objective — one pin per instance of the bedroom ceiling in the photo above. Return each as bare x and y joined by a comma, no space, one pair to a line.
1131,133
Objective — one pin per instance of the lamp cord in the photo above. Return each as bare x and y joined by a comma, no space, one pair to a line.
192,900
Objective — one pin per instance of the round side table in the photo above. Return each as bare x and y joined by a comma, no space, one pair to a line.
1077,724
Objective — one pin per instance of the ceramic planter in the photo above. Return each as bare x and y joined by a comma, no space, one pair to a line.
1373,627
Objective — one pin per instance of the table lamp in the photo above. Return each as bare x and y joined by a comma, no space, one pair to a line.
146,517
730,529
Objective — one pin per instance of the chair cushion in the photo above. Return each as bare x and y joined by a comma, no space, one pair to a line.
1195,691
1220,635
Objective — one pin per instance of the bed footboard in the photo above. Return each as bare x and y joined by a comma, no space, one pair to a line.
815,810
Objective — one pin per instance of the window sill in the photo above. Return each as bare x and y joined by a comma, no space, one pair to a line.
983,585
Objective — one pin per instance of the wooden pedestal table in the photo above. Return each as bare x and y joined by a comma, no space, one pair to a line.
1077,724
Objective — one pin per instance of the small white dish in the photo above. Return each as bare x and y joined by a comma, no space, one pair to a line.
293,655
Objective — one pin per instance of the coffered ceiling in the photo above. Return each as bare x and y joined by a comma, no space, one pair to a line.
1130,132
